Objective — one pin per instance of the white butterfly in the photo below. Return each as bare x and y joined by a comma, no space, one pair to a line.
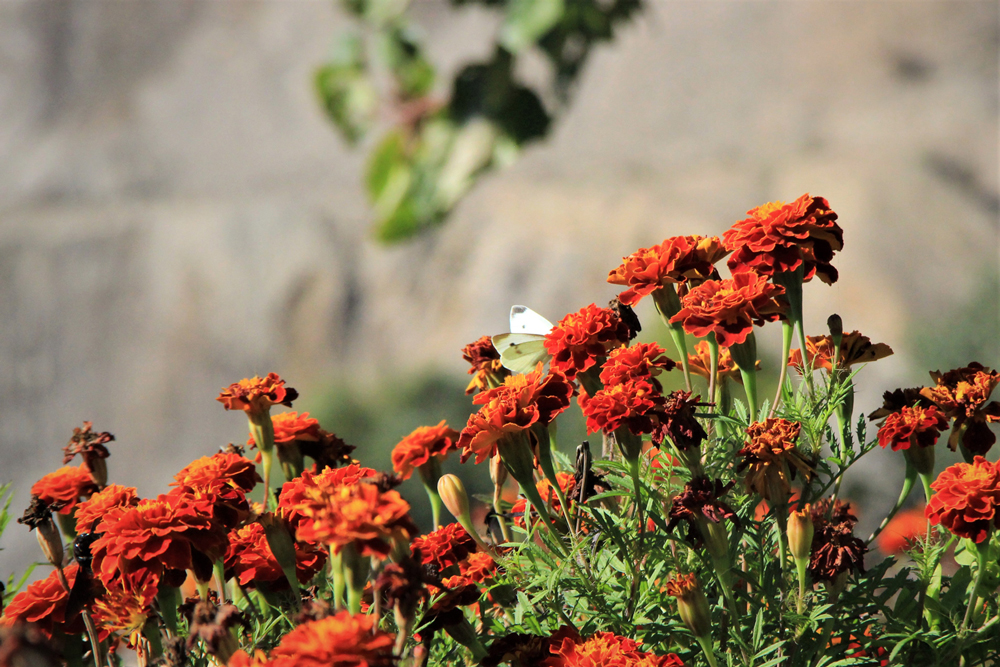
522,348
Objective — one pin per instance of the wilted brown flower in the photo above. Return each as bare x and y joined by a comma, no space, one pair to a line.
835,549
91,447
700,500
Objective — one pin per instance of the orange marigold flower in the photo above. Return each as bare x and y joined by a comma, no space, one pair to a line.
304,432
771,458
911,427
294,493
963,394
854,349
604,649
219,484
700,363
159,534
486,370
897,399
124,607
343,640
679,259
90,512
835,549
251,560
44,603
780,238
61,490
448,545
360,514
478,567
423,445
902,532
257,395
632,403
513,407
730,308
582,339
967,498
642,361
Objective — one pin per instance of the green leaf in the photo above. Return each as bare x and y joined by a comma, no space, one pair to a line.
527,20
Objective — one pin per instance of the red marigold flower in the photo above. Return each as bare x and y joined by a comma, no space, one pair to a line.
963,394
902,532
897,399
700,499
700,363
448,545
604,649
780,238
343,640
911,427
250,559
44,603
632,403
513,407
835,549
219,484
967,499
771,458
679,259
124,607
423,445
479,567
294,493
523,649
61,490
360,514
678,422
257,394
730,308
642,361
167,533
304,432
854,349
582,339
486,370
90,512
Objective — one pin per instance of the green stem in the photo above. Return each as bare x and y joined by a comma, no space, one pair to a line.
750,386
435,499
531,493
801,566
908,481
166,598
668,304
713,372
262,430
982,554
633,465
151,631
926,481
786,351
781,525
706,648
339,583
267,459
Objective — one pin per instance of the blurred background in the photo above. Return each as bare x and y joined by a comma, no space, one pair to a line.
178,211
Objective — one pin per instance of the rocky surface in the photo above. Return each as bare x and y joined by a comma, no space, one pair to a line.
175,212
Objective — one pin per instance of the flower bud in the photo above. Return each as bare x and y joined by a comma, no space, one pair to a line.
50,541
691,604
452,493
836,326
498,472
800,533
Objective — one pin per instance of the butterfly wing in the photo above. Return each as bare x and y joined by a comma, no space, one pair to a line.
521,352
525,320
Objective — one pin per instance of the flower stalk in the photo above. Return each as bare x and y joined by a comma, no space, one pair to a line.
668,304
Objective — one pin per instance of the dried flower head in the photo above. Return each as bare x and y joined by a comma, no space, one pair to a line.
257,395
91,447
730,308
486,370
62,490
912,427
680,259
582,340
854,349
343,640
250,559
212,624
781,238
447,546
678,422
422,446
967,498
963,394
90,512
771,458
835,549
700,500
513,407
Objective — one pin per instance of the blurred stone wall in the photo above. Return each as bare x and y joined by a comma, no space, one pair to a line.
175,212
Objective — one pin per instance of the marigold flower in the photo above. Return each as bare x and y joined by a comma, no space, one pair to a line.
43,603
902,532
835,549
691,603
91,447
854,349
897,399
423,445
303,431
581,340
169,532
343,640
518,648
360,514
678,422
700,363
780,238
730,308
603,649
257,395
912,427
90,512
700,499
642,361
486,370
123,607
967,498
513,407
250,559
633,403
771,458
446,546
679,259
479,567
297,491
61,490
219,484
963,394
